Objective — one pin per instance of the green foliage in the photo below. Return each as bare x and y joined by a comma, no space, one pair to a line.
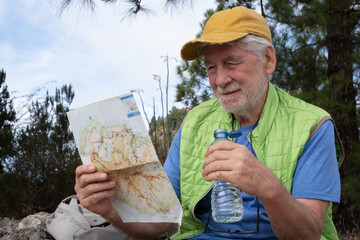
351,191
11,194
156,131
315,44
348,211
7,120
133,7
224,4
298,38
43,168
194,88
351,184
175,119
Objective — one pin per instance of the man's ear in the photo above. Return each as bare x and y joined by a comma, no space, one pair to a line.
270,60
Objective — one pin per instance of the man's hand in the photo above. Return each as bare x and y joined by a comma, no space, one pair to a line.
231,162
93,190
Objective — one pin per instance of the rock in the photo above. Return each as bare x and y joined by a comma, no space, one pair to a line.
32,227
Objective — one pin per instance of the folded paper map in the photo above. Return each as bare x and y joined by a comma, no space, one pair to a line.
112,135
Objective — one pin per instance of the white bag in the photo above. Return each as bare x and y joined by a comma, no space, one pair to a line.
72,221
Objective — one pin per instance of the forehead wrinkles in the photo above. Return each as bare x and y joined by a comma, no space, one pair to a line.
235,58
223,53
230,58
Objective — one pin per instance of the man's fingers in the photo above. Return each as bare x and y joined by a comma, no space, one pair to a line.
98,187
221,145
89,182
91,200
86,179
92,183
217,163
218,155
225,161
217,175
85,169
95,192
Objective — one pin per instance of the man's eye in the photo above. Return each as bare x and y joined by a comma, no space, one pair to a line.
232,64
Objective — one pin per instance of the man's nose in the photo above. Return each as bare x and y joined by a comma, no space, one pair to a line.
222,77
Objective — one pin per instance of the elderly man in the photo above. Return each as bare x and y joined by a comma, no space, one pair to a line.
282,159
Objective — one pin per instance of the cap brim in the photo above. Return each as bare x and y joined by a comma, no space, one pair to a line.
190,50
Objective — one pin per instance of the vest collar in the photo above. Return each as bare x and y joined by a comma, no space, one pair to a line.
267,116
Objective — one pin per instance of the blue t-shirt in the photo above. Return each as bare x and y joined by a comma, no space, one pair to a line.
316,176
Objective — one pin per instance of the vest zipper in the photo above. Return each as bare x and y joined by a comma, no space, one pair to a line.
193,209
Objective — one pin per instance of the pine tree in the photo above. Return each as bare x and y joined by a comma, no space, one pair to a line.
46,155
194,87
10,184
7,119
316,44
134,7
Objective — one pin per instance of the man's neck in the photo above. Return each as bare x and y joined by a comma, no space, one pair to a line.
251,117
247,120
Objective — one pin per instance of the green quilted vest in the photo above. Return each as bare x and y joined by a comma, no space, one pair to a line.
284,128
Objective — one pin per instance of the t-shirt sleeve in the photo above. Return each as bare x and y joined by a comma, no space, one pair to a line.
172,163
317,173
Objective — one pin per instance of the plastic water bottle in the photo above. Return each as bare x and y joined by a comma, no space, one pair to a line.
226,200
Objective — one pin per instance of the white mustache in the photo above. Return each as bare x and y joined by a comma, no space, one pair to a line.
232,87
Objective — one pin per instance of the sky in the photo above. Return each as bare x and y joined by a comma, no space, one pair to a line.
100,55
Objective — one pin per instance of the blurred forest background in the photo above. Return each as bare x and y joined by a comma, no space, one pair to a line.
317,45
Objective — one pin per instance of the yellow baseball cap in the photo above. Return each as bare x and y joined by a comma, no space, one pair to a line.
226,26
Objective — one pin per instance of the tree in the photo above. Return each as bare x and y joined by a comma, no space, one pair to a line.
317,42
10,186
168,134
174,119
46,157
160,133
193,88
7,119
65,154
134,6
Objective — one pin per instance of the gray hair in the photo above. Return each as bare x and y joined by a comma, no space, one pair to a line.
254,44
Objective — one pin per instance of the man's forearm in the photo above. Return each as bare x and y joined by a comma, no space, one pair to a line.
143,230
291,218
